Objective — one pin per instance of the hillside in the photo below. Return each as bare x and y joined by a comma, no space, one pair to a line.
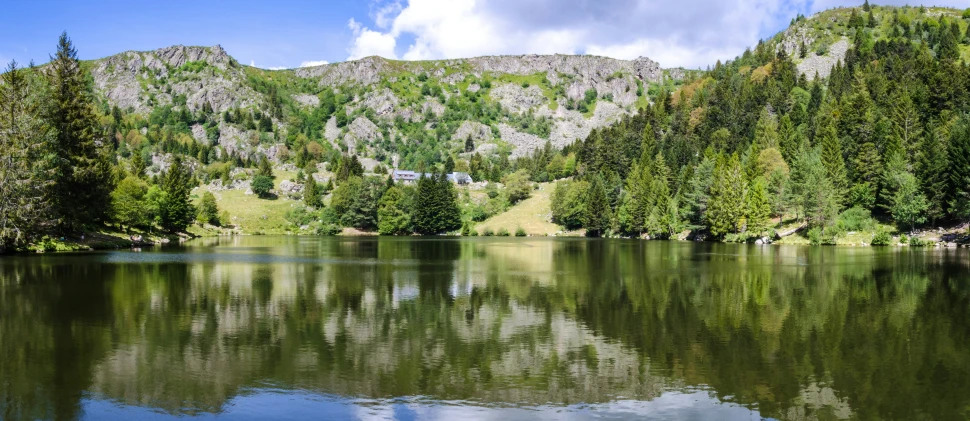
388,112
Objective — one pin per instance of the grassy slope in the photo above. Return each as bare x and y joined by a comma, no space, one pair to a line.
532,215
254,215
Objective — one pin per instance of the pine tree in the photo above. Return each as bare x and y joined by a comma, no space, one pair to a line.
832,157
469,144
766,131
758,207
659,221
819,197
177,211
596,218
866,7
83,182
959,153
311,193
436,209
265,168
932,174
726,207
24,179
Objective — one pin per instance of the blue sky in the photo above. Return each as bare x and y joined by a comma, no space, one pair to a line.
692,33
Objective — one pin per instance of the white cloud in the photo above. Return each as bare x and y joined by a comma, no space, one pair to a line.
370,43
312,63
689,33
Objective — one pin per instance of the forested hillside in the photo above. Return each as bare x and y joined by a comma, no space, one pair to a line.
755,141
849,120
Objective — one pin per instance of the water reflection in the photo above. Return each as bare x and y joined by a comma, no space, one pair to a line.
492,328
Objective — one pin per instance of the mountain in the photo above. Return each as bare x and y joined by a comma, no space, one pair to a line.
384,110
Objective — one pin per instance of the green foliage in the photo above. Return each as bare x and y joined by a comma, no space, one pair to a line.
176,210
25,142
882,238
520,232
128,204
597,215
758,207
261,185
569,204
208,212
856,219
394,212
726,208
82,179
908,205
436,206
311,193
503,232
518,187
488,232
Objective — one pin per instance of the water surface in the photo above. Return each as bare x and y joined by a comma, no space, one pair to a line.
485,328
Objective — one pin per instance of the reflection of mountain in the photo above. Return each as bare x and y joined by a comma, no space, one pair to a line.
798,333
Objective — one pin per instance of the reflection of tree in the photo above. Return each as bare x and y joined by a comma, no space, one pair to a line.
798,332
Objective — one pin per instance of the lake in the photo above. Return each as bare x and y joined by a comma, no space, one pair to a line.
257,327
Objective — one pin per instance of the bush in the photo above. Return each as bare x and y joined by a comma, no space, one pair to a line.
503,232
328,230
856,219
519,232
262,185
822,237
919,242
488,232
882,238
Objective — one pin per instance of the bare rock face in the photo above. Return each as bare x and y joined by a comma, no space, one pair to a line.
120,79
331,132
518,99
477,131
383,102
307,100
523,143
360,133
823,64
365,71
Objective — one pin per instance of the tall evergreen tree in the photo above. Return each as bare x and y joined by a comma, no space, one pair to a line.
832,157
959,152
82,181
596,219
932,174
177,211
24,177
726,208
311,193
758,207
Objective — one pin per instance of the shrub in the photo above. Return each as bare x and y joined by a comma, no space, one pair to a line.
882,238
519,232
919,242
822,237
262,185
503,232
488,232
856,219
328,230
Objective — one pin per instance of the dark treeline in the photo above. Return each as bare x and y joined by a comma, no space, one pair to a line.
751,143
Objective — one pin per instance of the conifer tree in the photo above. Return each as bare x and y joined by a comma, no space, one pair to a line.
726,207
177,211
932,174
82,180
24,144
959,153
596,218
832,157
758,207
311,193
766,131
819,198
